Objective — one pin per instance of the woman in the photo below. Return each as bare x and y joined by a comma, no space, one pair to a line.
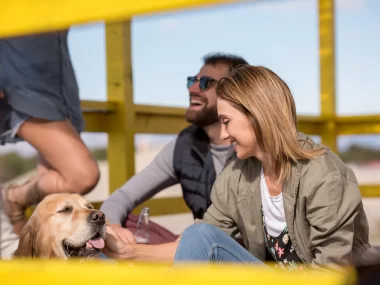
39,104
290,199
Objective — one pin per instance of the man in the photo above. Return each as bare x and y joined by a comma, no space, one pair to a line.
193,159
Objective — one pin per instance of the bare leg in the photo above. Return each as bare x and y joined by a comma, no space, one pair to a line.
67,166
42,166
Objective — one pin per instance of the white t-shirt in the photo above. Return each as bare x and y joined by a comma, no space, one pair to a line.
273,208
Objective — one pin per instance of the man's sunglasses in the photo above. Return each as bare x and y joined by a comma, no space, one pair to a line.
204,82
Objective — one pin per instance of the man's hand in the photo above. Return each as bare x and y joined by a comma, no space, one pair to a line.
116,246
1,94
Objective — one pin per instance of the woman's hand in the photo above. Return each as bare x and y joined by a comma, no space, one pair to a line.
118,242
126,235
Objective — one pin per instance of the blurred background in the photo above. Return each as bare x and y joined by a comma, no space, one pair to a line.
281,35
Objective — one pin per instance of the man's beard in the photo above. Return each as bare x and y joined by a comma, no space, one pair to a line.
203,117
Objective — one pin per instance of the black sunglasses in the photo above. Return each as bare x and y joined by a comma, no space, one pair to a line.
204,82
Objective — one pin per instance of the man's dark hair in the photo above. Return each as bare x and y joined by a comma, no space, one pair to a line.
222,58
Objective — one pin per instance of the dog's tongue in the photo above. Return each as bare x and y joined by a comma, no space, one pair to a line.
97,243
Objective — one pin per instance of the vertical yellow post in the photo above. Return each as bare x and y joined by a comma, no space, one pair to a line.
327,71
121,152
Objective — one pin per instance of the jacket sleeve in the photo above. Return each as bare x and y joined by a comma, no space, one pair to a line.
331,211
223,209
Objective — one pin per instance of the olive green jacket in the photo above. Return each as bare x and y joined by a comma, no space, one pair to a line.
323,208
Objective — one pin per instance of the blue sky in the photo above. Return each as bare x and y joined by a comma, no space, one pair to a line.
281,35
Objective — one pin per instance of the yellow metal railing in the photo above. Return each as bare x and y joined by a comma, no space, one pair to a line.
32,16
166,120
121,119
327,72
120,273
154,119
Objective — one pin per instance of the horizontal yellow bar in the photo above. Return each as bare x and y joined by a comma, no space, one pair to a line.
96,122
176,205
22,272
162,124
375,118
169,120
162,120
164,206
159,110
359,129
370,191
98,106
310,128
357,125
159,120
31,16
157,206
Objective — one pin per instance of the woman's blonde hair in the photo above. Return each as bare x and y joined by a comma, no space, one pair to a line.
268,103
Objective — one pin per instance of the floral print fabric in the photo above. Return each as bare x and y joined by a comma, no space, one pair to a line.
282,250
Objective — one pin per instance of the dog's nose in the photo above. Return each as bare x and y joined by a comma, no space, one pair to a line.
97,217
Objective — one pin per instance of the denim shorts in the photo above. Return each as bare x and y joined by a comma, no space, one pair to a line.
38,80
16,119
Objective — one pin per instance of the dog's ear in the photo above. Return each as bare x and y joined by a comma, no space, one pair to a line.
27,242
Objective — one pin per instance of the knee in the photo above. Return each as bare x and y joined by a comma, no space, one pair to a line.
84,179
200,232
196,242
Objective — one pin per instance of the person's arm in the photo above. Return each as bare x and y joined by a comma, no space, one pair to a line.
218,214
333,206
117,248
157,176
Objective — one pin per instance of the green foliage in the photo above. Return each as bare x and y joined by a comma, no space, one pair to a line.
360,154
100,154
12,164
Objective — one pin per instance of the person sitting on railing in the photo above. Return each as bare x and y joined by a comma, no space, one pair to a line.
284,193
39,103
193,159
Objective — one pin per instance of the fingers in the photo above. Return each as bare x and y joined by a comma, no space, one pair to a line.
115,246
110,253
125,235
113,241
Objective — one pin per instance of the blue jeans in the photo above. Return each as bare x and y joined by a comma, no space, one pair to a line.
203,242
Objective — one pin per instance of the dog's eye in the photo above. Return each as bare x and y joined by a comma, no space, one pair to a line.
90,206
66,209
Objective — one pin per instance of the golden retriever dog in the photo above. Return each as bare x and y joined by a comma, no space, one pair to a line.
63,226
